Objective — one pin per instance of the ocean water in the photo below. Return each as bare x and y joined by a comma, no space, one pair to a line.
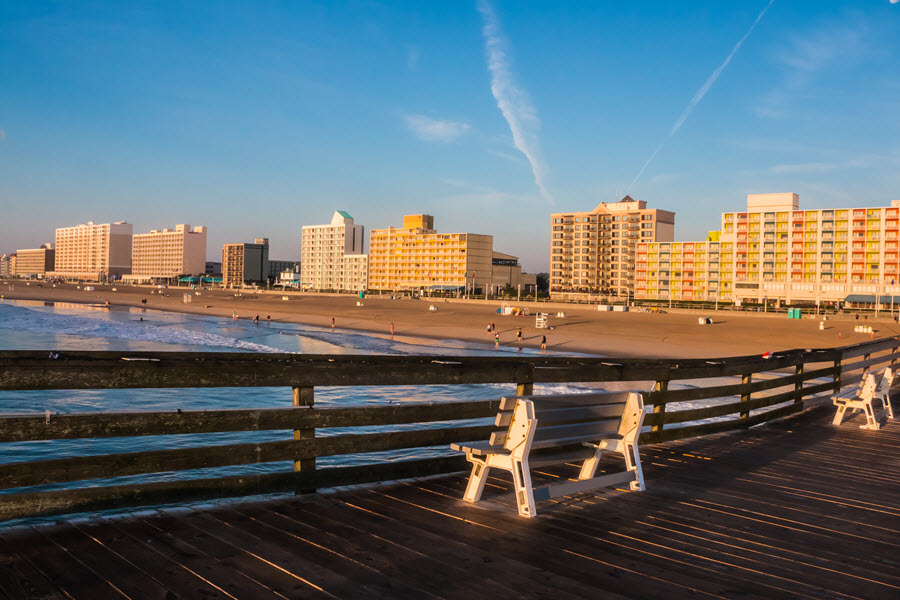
26,325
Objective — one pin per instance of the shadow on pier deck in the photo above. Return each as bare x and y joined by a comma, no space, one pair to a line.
793,509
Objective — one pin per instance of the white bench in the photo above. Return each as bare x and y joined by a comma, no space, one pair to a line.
871,388
542,430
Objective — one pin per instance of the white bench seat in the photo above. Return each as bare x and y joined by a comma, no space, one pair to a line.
543,430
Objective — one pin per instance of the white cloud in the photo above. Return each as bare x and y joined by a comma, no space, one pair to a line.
803,57
412,57
436,130
513,102
812,167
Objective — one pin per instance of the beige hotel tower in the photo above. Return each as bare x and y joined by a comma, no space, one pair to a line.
93,252
168,253
593,252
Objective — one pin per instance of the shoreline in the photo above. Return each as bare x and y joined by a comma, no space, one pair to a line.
583,330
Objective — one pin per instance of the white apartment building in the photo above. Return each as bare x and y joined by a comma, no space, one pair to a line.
168,253
324,250
93,252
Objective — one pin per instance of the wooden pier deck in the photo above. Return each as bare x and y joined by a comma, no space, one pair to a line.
796,508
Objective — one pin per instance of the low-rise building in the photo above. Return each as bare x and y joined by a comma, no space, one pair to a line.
5,268
35,262
277,267
245,263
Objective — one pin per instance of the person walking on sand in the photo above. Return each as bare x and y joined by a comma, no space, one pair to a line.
332,322
543,342
268,320
519,336
492,326
496,340
392,329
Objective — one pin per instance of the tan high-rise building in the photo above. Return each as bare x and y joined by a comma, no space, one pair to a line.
168,253
593,252
35,262
93,252
324,252
245,263
416,256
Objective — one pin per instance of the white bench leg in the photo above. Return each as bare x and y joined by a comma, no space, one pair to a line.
524,492
633,462
871,423
476,481
589,467
839,415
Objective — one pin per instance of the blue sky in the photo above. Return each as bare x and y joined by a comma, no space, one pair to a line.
257,118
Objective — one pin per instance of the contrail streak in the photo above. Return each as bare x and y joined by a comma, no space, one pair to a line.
513,102
700,93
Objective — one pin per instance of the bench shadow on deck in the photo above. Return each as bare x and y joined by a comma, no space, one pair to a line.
793,509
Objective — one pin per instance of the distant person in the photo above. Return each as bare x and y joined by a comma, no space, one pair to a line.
519,336
392,329
268,320
489,329
496,340
332,322
256,320
492,326
543,342
107,304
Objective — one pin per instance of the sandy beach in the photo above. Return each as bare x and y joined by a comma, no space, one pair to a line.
584,329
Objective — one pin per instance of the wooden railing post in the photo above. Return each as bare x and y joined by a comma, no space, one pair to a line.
304,396
526,388
745,397
798,387
659,409
837,374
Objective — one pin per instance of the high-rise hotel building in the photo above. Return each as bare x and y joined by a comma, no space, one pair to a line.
416,256
593,252
775,251
167,253
245,263
332,256
93,252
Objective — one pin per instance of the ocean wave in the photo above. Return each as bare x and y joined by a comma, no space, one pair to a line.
22,319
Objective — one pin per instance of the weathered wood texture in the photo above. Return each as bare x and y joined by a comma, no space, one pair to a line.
769,389
793,509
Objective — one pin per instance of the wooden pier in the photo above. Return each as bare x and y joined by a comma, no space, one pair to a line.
793,508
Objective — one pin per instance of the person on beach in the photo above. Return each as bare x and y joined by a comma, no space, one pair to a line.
519,336
496,340
256,320
489,329
332,322
392,329
543,342
492,326
107,304
268,320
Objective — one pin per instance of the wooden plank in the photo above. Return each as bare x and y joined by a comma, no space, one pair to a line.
102,466
94,425
61,568
19,579
156,493
561,400
549,416
680,433
592,430
122,574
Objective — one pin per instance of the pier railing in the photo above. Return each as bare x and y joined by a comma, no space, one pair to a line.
768,388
